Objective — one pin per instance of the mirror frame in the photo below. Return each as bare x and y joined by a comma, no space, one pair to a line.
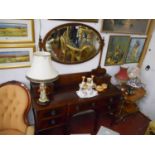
101,42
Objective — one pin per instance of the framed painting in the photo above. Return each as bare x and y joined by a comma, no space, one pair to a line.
16,31
135,50
15,56
117,50
129,26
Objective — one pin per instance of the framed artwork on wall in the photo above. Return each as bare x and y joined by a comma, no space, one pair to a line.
127,26
117,50
14,56
135,50
16,31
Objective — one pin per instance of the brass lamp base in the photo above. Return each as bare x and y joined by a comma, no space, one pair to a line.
43,103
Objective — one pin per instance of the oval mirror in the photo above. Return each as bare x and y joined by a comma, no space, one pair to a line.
72,43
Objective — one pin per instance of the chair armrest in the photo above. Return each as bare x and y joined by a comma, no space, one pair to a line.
30,130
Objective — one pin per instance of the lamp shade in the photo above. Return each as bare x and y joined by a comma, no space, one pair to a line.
122,74
134,72
42,69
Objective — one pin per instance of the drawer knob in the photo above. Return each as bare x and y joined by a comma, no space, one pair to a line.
93,104
121,98
111,100
77,108
53,112
52,122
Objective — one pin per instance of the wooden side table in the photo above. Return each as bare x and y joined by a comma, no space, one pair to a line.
128,105
138,94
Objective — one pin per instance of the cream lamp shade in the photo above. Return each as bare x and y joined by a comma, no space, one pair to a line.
42,69
42,72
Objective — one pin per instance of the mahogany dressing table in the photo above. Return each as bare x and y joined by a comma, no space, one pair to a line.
65,103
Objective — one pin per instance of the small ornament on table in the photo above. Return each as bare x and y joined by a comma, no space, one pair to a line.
102,87
90,85
86,89
134,72
93,84
83,86
83,83
134,75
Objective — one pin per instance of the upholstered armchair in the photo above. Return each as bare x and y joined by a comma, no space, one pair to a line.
15,103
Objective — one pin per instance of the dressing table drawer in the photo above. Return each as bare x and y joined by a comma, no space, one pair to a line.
73,109
49,123
51,112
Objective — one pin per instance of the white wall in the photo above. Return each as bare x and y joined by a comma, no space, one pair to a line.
147,105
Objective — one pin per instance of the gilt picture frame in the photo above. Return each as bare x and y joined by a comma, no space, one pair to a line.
16,56
135,50
117,50
126,26
16,31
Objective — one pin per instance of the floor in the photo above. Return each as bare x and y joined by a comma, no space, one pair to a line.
133,124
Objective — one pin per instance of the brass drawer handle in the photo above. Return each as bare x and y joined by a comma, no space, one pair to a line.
53,112
52,122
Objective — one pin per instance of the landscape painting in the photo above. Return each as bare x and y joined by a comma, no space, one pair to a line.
16,31
13,29
135,50
15,57
117,50
130,26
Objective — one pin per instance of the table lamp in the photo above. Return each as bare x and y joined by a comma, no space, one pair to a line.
42,72
122,75
134,72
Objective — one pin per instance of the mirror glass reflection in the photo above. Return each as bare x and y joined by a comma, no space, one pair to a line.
72,43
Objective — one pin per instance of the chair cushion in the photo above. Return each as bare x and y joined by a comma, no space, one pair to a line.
11,132
13,104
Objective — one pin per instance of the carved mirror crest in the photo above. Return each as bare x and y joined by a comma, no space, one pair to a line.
72,43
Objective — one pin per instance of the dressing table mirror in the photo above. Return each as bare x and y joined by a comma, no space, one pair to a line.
72,43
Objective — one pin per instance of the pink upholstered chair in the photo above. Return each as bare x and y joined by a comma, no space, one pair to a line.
14,107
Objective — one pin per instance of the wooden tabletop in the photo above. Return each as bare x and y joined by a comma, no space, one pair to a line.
138,94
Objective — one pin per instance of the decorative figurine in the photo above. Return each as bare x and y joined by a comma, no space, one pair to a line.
134,75
90,85
86,89
102,87
82,85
